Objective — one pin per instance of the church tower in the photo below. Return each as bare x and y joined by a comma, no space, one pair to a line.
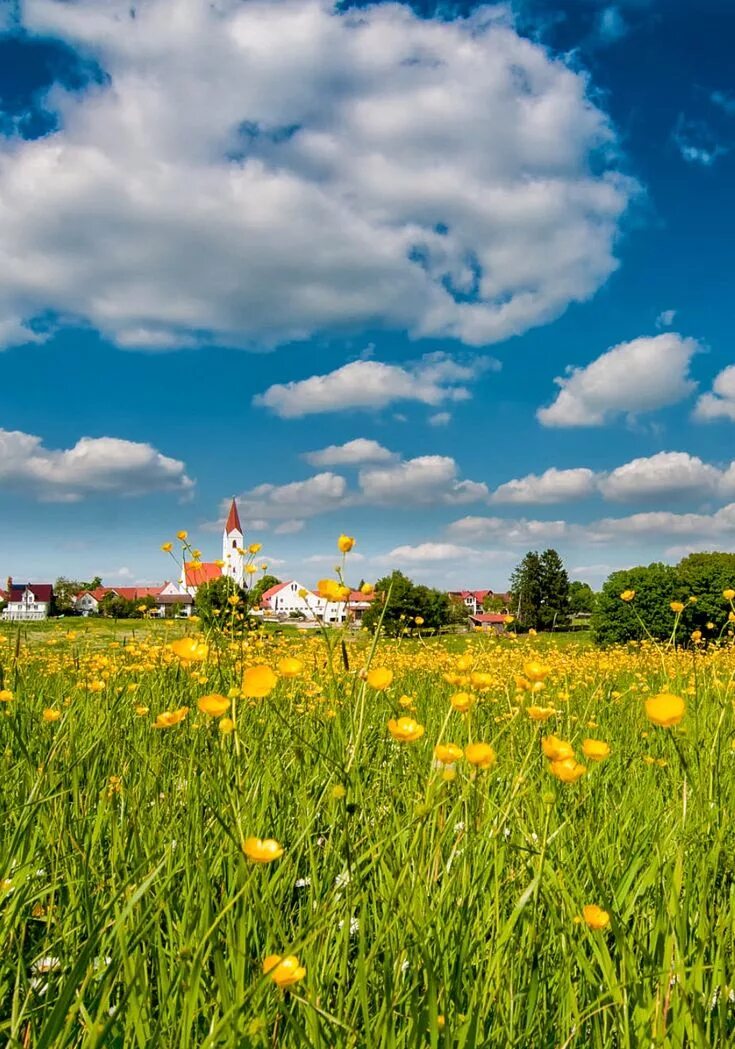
232,545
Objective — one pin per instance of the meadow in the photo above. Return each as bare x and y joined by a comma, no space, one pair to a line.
326,841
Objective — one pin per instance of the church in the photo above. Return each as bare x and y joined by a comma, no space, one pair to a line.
232,563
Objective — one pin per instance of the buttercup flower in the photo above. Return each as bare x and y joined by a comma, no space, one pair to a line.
262,850
462,701
169,718
627,595
290,667
481,755
345,543
728,594
556,749
167,547
258,682
405,729
214,705
190,650
595,749
595,917
677,606
5,695
379,678
447,753
182,536
535,671
50,714
665,710
284,971
568,770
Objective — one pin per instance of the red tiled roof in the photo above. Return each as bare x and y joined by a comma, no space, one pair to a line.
233,520
489,617
43,591
134,593
4,595
357,595
272,591
205,573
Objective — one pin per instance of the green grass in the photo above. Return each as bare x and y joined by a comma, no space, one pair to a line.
409,898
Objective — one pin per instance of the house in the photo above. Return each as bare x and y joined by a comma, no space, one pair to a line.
472,600
232,563
176,605
293,600
489,621
29,601
88,601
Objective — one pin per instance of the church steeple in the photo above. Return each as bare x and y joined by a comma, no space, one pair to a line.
232,546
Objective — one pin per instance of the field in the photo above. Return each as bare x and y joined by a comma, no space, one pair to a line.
502,895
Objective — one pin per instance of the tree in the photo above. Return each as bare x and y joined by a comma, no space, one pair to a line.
494,603
525,589
615,621
581,598
212,601
115,607
264,583
65,590
704,576
554,610
405,601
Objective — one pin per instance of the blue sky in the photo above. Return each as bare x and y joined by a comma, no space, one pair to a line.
236,238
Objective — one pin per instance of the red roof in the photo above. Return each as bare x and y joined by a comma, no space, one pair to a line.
489,617
42,591
130,593
357,595
271,592
233,520
204,573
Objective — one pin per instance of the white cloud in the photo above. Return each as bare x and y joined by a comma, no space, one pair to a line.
435,378
428,479
552,486
666,474
292,501
440,419
94,465
632,377
253,173
665,318
507,529
720,403
696,142
360,450
664,523
431,552
289,527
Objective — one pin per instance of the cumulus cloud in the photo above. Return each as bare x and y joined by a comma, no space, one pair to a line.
254,173
632,377
360,450
519,530
720,403
426,552
552,486
428,479
435,378
666,474
94,465
440,419
665,318
292,501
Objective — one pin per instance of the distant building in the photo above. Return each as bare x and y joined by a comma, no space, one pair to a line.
29,601
474,600
88,601
232,563
293,600
489,621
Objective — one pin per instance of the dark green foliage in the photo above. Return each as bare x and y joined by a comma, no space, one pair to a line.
212,600
540,591
264,583
407,600
114,607
582,597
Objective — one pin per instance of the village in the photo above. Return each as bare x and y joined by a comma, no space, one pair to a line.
287,601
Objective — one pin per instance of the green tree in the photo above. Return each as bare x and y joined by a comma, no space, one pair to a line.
406,600
212,600
615,621
494,603
581,597
264,583
704,576
65,590
526,593
554,609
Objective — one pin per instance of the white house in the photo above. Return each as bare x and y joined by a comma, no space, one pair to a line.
293,600
32,601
